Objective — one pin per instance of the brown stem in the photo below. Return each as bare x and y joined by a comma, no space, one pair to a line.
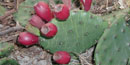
14,37
8,4
11,30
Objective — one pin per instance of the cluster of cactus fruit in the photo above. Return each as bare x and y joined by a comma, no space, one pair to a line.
52,29
63,31
41,20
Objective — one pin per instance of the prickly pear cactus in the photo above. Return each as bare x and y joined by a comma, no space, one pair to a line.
7,61
77,33
114,46
5,49
25,11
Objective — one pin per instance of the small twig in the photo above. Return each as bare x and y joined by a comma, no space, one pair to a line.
18,27
10,30
17,4
10,38
7,20
5,27
107,3
84,61
8,4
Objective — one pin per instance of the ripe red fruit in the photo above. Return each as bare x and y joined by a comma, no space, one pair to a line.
62,57
36,21
49,30
26,38
86,4
61,12
42,10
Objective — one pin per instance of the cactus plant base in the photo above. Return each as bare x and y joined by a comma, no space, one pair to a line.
5,49
7,61
114,46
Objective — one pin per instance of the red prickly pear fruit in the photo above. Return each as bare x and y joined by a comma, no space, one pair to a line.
87,4
36,21
61,57
26,38
49,30
42,10
61,12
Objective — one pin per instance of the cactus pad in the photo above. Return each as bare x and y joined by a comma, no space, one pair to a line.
111,17
32,29
6,61
25,11
5,49
114,46
78,33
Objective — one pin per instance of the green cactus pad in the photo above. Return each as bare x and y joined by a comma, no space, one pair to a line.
25,11
114,46
32,29
7,61
111,17
5,49
78,33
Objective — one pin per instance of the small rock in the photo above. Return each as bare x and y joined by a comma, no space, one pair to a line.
31,56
